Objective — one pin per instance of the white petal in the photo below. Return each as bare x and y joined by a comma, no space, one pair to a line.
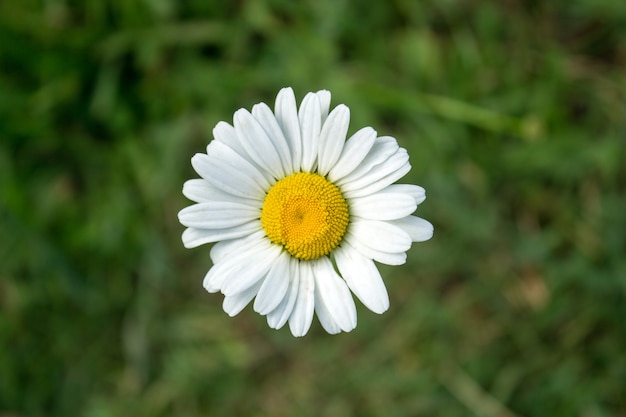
240,161
225,248
415,191
379,184
324,316
335,294
245,257
193,237
324,97
279,316
382,236
216,276
275,285
233,304
383,206
268,122
302,314
418,229
234,177
257,143
287,117
200,191
310,127
217,215
379,176
332,138
354,151
251,269
382,149
384,257
362,277
225,133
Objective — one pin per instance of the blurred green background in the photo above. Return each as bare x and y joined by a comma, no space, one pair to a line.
513,113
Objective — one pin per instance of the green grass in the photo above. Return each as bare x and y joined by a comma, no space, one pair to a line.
513,113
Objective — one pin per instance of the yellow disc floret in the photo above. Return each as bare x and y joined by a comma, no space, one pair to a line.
306,214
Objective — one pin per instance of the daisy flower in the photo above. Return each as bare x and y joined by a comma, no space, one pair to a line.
299,214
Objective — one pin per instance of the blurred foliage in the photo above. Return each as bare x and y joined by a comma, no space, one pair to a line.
513,113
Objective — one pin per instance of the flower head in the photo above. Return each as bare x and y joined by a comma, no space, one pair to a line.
299,214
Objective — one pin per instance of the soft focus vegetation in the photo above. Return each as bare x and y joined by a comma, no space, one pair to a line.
513,113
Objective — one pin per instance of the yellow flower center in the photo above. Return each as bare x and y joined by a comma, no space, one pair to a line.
306,214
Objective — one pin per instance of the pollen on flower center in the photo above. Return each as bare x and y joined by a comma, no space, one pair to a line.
306,214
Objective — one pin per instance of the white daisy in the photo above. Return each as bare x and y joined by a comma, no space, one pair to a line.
300,214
